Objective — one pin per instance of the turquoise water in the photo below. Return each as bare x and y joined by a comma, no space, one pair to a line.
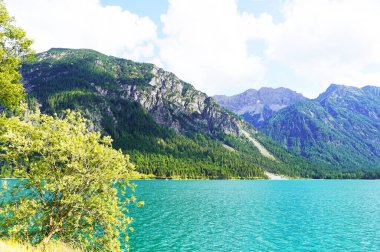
257,216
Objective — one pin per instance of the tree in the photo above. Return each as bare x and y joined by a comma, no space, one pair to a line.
14,48
74,186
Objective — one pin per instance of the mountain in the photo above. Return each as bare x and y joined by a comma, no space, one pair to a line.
341,127
168,128
257,106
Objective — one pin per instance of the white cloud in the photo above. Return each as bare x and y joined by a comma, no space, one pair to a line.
85,24
322,42
327,41
206,44
209,42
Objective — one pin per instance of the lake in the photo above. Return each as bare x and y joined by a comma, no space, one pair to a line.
298,215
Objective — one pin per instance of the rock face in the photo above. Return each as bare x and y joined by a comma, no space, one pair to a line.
257,106
178,105
340,127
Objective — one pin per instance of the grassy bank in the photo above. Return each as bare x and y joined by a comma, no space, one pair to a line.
53,246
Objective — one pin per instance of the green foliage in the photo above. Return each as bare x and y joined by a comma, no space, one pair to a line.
14,48
74,185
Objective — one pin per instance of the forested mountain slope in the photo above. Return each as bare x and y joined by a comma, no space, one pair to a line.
341,127
165,125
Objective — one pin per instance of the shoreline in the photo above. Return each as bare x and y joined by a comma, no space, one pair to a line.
272,176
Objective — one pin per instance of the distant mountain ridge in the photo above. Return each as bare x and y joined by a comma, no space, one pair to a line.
341,127
257,106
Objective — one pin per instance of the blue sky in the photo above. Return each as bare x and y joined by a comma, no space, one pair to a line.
151,8
155,8
221,46
277,72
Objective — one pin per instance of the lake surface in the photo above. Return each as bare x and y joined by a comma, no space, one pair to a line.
318,215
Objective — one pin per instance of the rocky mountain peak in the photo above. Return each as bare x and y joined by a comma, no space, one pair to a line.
256,106
373,90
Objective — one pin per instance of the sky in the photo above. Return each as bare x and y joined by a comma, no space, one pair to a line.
221,46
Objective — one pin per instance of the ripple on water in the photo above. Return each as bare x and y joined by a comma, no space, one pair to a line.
257,216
